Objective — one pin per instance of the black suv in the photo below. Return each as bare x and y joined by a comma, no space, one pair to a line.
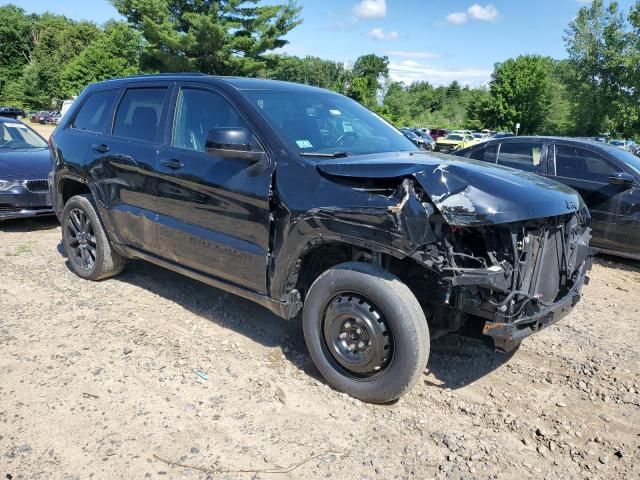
306,202
607,177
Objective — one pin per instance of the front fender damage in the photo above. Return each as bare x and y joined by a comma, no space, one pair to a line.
397,224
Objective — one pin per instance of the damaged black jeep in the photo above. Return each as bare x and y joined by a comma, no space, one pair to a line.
308,203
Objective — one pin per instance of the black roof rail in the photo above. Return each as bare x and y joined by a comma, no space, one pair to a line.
165,74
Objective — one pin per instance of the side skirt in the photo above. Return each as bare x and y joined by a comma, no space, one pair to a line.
274,306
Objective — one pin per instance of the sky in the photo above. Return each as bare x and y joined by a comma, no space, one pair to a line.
435,41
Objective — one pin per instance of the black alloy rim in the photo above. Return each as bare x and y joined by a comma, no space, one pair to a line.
82,239
357,335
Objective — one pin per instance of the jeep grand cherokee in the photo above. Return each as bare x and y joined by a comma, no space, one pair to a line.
306,202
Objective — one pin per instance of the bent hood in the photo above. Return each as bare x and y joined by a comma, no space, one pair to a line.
466,192
24,164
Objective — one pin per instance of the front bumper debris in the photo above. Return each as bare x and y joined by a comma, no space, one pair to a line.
507,336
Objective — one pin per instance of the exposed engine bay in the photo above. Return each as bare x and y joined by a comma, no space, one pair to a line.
505,274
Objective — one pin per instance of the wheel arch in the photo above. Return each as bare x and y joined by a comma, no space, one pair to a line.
67,187
300,262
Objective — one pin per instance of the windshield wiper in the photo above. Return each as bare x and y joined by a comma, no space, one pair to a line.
325,155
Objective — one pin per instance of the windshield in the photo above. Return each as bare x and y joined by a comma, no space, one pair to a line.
616,142
626,157
455,137
325,123
15,135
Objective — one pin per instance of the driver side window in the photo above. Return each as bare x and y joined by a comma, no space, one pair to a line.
198,112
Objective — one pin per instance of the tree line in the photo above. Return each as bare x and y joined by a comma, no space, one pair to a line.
46,58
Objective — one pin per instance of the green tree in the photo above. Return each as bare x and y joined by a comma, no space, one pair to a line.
521,92
309,70
368,72
396,104
15,27
114,53
54,41
601,57
223,37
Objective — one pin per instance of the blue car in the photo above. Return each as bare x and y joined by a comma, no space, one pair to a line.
24,168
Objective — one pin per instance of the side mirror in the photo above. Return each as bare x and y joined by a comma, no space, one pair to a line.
621,178
230,142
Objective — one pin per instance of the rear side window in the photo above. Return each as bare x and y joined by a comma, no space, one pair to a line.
93,115
138,115
525,156
572,162
486,154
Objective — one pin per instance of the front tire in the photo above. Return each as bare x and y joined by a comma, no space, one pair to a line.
88,249
366,332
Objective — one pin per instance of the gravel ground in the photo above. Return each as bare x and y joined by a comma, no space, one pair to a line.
128,377
44,130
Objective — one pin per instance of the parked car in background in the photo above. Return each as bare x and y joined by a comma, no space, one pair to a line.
423,133
50,118
453,142
303,200
56,118
463,132
438,133
503,135
417,140
40,117
481,137
34,116
607,177
11,112
594,139
24,168
621,144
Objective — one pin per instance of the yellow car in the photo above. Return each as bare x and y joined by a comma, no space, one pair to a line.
453,142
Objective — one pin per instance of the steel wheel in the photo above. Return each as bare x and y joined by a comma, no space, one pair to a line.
82,239
357,335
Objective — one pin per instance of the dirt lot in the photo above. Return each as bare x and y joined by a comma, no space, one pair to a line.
98,381
44,130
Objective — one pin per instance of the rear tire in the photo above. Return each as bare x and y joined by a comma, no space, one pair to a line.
85,242
366,332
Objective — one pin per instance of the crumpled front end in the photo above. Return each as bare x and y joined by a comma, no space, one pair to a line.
475,242
518,278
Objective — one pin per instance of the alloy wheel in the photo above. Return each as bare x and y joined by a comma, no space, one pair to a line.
81,239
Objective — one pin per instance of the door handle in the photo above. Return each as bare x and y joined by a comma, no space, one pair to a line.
173,164
102,148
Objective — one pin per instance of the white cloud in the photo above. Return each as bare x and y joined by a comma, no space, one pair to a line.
488,13
457,18
380,34
410,72
371,9
411,54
